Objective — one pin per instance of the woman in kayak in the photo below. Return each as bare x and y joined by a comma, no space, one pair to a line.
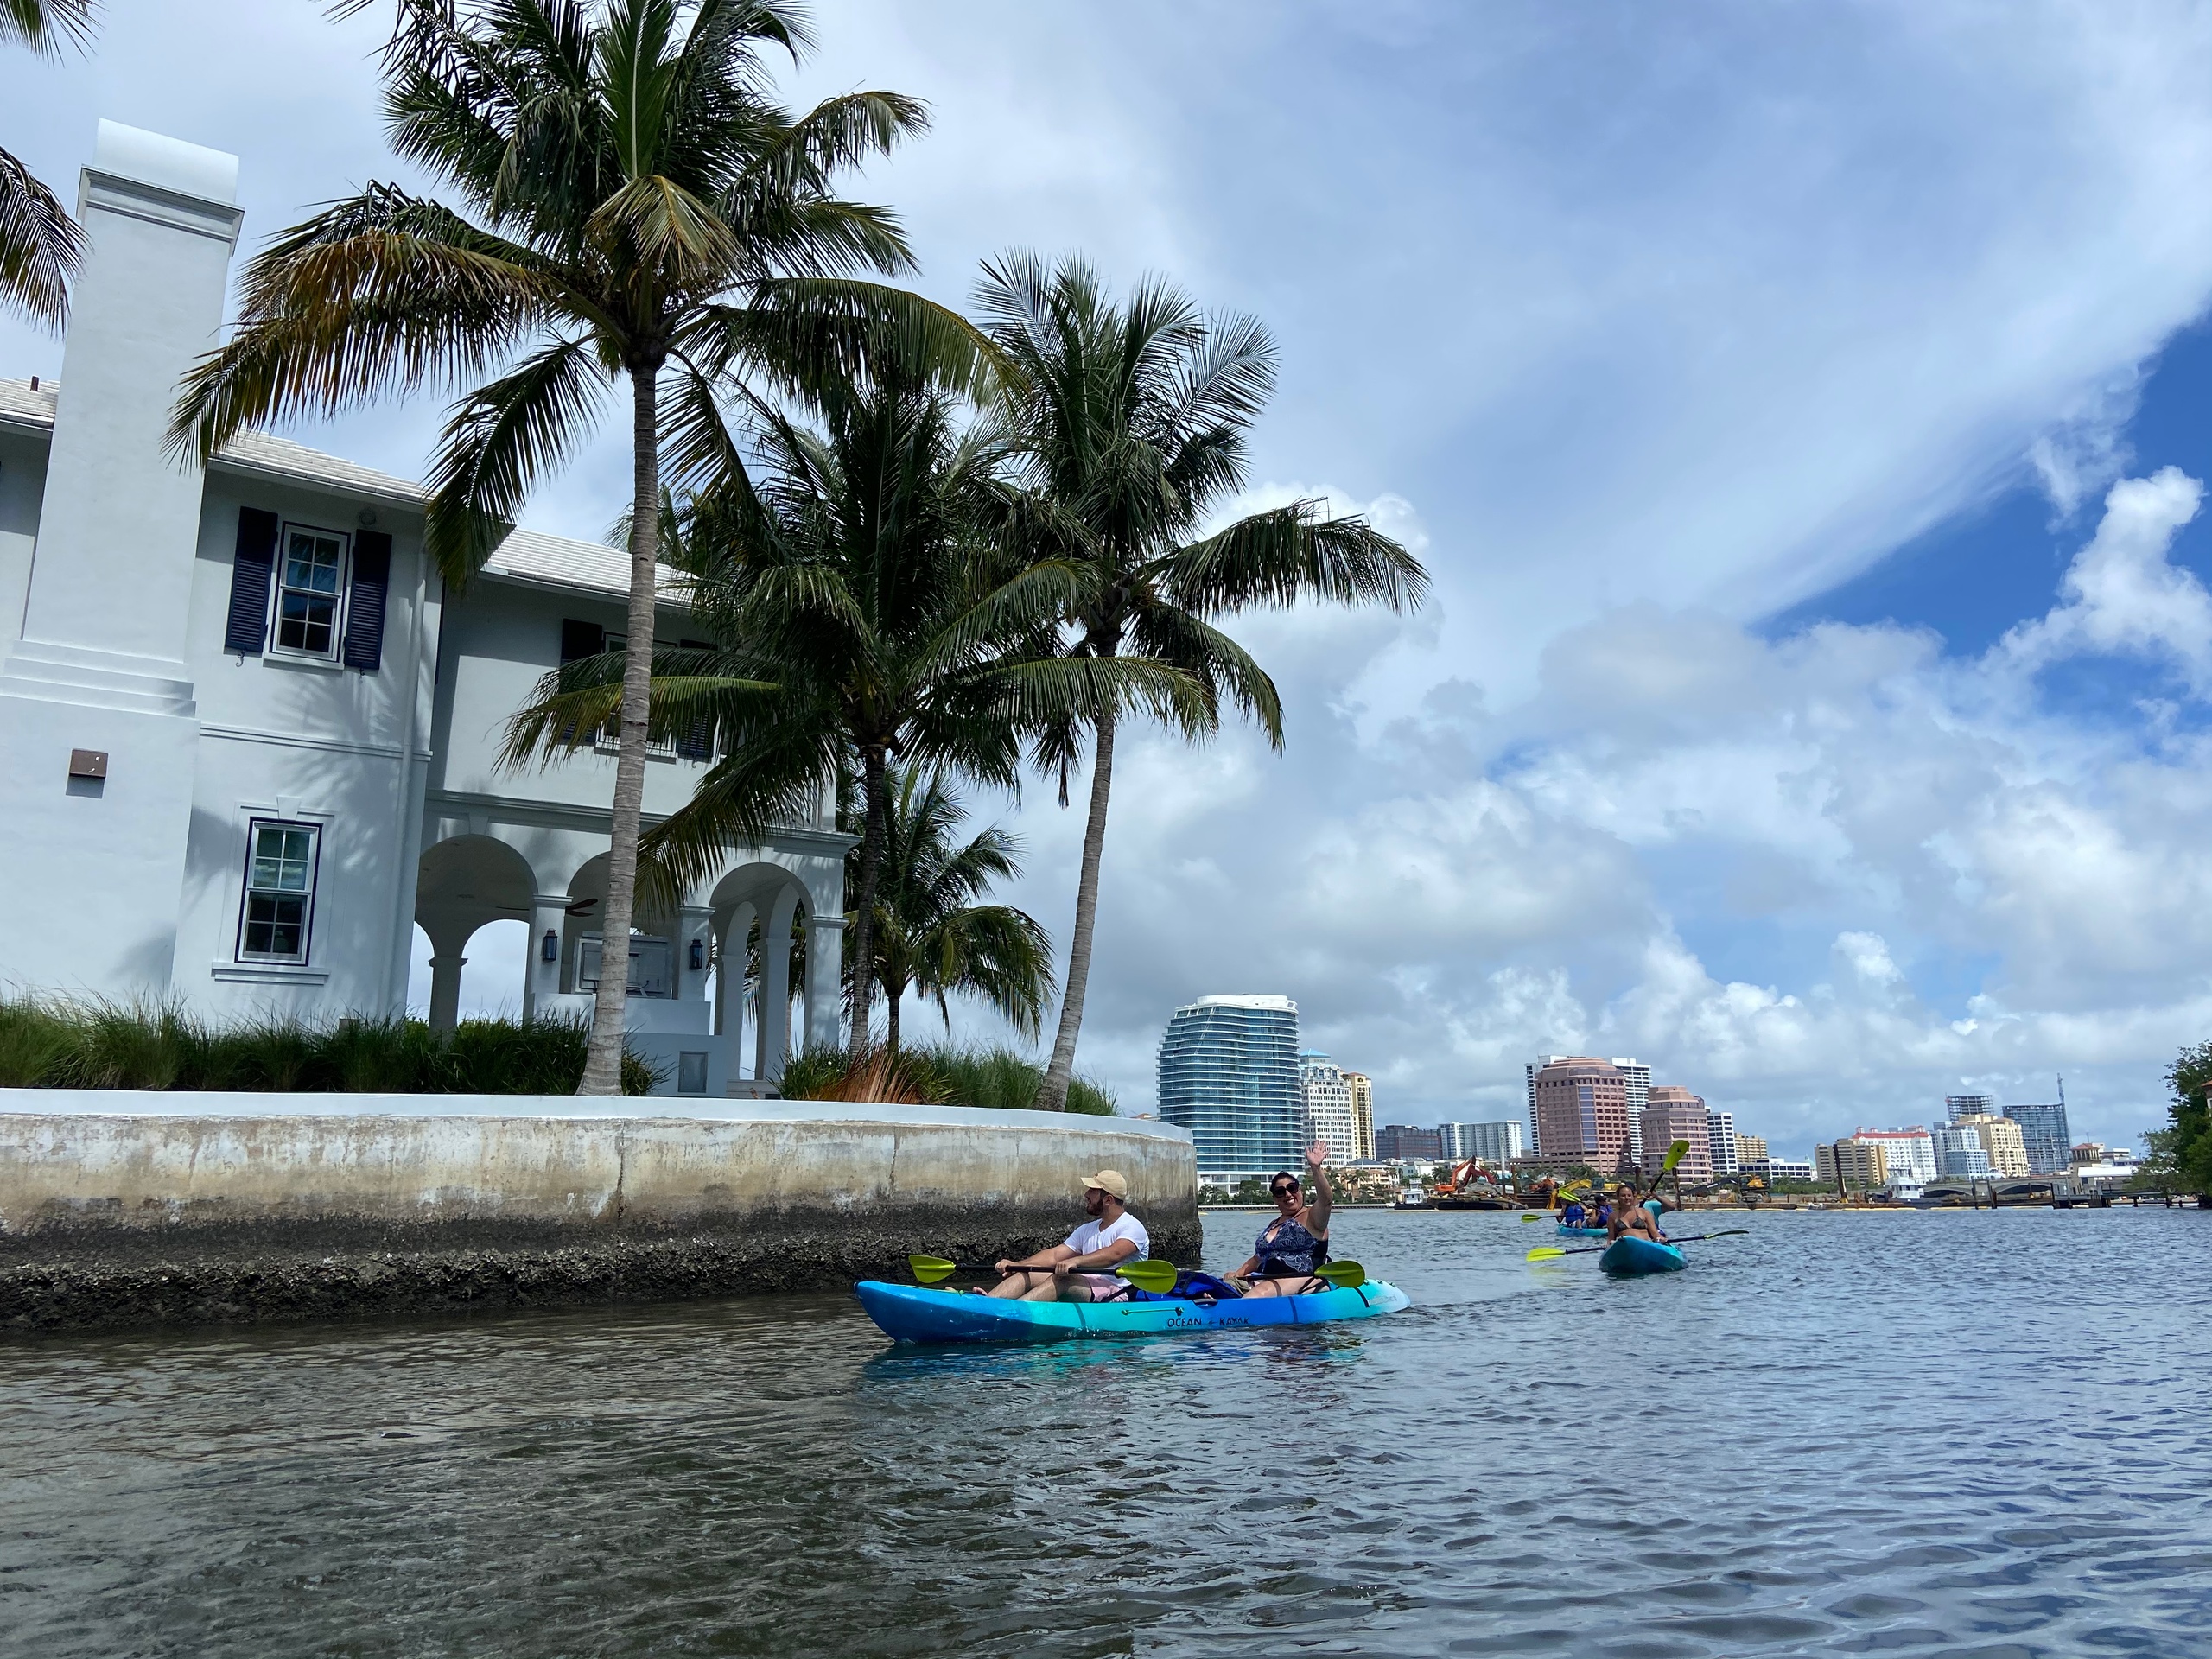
1296,1241
1631,1218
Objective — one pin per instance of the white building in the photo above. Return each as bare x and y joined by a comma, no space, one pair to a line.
1328,1096
1959,1151
248,742
1779,1169
1908,1155
1720,1136
1635,1080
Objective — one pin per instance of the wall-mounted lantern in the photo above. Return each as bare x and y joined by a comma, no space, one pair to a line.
549,950
698,956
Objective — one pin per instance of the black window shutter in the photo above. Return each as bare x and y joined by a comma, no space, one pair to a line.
247,626
365,605
581,639
696,741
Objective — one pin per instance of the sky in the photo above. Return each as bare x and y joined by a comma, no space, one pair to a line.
1803,410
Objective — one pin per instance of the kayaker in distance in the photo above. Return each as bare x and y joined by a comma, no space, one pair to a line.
1573,1214
1082,1269
1296,1241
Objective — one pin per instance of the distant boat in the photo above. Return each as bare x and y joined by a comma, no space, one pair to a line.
1411,1198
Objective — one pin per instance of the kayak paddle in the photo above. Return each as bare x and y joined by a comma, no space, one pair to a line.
1345,1275
1549,1253
1145,1276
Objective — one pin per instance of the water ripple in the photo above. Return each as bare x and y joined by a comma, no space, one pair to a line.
1958,1434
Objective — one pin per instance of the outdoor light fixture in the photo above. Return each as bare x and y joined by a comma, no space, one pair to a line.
550,950
698,954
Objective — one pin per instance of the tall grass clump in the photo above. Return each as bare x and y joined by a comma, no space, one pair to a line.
58,1043
996,1078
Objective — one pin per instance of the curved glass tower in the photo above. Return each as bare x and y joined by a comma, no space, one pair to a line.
1228,1073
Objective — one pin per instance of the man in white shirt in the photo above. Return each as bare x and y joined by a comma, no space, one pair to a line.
1082,1269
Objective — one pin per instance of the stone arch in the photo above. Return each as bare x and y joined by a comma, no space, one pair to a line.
775,899
461,883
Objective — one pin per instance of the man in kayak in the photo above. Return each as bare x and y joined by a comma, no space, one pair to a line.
1573,1214
1081,1269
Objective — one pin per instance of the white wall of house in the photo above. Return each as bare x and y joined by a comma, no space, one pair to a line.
243,751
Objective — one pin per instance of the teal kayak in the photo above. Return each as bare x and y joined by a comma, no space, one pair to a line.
1630,1255
1581,1232
911,1313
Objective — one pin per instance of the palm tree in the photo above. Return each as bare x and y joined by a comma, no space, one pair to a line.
637,207
40,246
867,615
1133,421
930,934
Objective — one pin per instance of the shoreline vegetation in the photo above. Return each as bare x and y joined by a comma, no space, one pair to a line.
57,1042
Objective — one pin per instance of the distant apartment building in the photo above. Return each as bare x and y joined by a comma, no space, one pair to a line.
1363,1113
2001,1141
1454,1139
1228,1073
1636,1085
1959,1153
1535,1132
1958,1106
1771,1169
1581,1107
1859,1164
1327,1099
1497,1144
2044,1130
1721,1145
1672,1114
1401,1143
1750,1149
1909,1155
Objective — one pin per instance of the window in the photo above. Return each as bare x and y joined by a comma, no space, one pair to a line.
310,579
280,871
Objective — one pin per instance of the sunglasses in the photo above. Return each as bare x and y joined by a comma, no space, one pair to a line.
1280,1191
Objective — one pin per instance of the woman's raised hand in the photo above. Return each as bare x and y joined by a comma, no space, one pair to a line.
1317,1155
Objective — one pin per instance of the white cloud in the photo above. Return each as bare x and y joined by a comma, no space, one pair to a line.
2122,594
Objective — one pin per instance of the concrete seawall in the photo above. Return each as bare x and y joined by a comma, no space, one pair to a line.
120,1208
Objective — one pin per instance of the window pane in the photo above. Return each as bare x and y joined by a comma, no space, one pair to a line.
280,888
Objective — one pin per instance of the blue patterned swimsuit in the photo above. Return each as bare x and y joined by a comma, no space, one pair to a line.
1286,1250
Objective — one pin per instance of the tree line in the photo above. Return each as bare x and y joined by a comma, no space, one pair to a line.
920,548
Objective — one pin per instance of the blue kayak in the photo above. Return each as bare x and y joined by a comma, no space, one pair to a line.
1581,1232
1629,1255
913,1314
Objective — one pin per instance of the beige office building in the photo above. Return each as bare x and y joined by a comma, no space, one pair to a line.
1751,1149
1674,1113
2001,1140
1363,1113
1582,1113
1863,1163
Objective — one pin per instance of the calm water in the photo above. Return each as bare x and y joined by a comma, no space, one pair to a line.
1930,1434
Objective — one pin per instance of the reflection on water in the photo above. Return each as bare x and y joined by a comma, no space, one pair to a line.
1978,1433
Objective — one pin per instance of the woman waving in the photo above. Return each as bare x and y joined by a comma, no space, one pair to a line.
1296,1241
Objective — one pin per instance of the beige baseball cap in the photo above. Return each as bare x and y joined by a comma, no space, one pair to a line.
1111,1180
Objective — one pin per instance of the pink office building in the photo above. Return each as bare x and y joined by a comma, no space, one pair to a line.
1674,1113
1582,1112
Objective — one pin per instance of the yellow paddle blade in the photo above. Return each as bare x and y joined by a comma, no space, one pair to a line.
1544,1253
929,1269
1537,1214
1345,1275
1148,1275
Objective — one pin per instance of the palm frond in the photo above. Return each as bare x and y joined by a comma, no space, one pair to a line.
40,246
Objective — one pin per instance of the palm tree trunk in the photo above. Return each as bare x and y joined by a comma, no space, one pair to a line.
1053,1093
891,1018
871,793
603,1062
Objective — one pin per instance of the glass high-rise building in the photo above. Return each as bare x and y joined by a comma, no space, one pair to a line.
2044,1128
1228,1072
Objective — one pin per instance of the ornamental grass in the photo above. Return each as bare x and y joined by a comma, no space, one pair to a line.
67,1043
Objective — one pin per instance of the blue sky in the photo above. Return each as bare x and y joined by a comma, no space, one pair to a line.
1812,701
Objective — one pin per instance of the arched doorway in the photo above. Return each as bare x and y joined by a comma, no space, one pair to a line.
462,883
